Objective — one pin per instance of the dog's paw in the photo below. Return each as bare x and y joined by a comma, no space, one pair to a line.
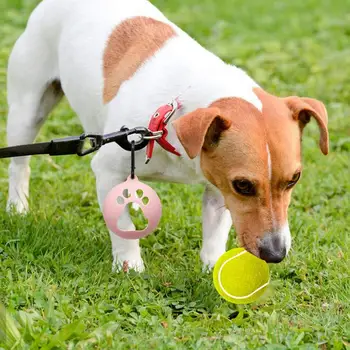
128,264
17,205
209,259
207,267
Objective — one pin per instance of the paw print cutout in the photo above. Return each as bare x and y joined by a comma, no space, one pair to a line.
132,191
126,194
133,209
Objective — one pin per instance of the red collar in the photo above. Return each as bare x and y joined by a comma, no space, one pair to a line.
158,122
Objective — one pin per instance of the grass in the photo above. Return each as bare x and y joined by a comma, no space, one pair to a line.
55,264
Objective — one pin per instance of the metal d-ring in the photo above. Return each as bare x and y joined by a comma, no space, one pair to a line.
124,142
154,135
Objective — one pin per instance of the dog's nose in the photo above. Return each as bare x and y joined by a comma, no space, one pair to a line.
272,248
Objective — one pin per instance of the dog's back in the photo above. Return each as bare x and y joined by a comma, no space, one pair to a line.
65,40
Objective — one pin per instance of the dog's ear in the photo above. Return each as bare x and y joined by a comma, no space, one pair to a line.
303,109
200,129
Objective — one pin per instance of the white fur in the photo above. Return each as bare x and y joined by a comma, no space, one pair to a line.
284,231
65,39
269,162
286,236
269,166
216,226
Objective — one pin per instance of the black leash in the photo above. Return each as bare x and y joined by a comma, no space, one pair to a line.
77,144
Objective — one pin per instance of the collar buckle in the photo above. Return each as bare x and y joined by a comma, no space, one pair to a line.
158,130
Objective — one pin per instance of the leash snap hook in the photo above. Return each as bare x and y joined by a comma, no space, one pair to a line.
96,141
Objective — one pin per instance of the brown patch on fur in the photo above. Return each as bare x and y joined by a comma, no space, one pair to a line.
131,43
301,109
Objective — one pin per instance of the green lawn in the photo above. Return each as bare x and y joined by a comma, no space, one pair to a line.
55,264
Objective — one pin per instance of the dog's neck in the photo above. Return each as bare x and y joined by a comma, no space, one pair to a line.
200,78
225,81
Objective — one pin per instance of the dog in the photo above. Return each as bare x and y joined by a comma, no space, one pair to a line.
116,62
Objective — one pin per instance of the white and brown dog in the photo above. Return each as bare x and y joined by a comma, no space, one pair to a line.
117,61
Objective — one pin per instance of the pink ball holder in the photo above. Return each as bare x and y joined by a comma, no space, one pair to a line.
123,194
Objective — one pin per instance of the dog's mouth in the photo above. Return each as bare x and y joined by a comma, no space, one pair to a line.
248,247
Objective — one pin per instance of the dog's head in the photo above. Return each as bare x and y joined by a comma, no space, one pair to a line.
254,158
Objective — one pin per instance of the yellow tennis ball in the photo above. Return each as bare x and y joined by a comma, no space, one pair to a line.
240,277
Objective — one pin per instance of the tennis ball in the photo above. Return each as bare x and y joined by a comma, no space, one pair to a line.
240,277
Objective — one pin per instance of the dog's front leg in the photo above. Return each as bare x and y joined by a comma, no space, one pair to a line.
126,252
216,226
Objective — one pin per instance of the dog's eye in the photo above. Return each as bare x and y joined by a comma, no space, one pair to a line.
244,187
294,180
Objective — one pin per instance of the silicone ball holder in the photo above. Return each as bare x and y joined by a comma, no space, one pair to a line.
132,191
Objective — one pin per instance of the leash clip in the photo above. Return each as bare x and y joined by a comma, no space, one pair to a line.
96,142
